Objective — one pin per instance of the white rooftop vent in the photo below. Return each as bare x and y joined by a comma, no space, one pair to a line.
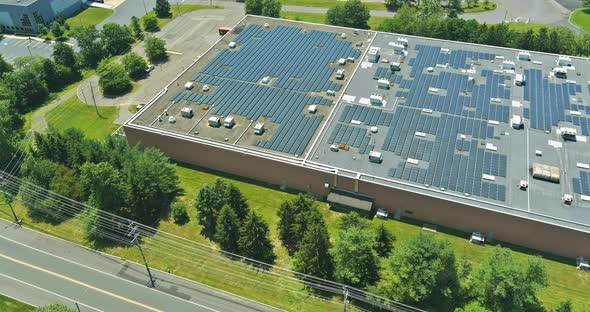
229,122
523,184
519,79
171,119
214,121
517,122
334,148
568,133
568,198
538,153
430,69
189,85
395,66
340,74
564,60
376,99
266,80
433,90
331,92
343,36
398,47
383,84
312,109
266,25
375,157
186,112
342,61
205,88
259,128
232,45
508,65
403,41
524,56
374,129
350,59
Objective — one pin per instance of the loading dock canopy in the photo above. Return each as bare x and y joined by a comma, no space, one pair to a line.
350,200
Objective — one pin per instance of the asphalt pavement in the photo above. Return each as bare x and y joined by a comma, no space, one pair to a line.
12,47
40,269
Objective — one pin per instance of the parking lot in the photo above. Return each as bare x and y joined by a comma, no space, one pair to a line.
14,47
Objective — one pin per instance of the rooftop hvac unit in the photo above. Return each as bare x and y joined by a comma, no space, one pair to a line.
395,66
519,79
545,172
375,157
205,88
508,65
350,59
403,41
342,61
383,84
340,74
564,61
214,121
343,36
568,133
398,47
374,129
312,109
229,122
232,45
517,122
560,72
524,56
266,25
430,69
376,99
334,148
331,92
189,85
171,119
259,128
266,80
374,55
568,199
186,112
524,184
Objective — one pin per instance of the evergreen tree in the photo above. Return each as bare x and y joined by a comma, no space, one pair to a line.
271,8
253,7
355,260
313,257
294,217
352,13
254,241
384,241
208,210
162,8
352,219
179,213
227,231
136,27
565,306
237,201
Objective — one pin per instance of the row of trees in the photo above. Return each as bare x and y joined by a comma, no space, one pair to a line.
226,219
270,8
132,183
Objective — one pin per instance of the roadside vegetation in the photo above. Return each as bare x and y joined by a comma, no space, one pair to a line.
10,305
581,18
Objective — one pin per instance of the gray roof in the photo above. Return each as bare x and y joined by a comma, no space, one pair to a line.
17,2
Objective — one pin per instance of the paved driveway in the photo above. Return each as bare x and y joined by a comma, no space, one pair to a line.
12,48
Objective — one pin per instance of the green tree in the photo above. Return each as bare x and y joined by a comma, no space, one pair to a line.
430,7
352,13
105,187
91,51
313,257
472,307
455,5
294,217
404,21
254,241
5,67
353,219
271,8
383,241
234,198
565,306
586,3
162,8
504,284
542,40
179,213
150,22
113,80
355,259
253,7
134,65
155,49
207,204
421,270
66,183
24,89
227,231
116,39
136,27
10,125
57,30
54,307
63,54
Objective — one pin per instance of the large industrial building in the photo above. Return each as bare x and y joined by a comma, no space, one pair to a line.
26,16
470,137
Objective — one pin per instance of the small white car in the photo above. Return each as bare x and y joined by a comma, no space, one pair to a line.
382,213
149,68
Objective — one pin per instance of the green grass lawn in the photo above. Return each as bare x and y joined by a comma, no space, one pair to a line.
320,18
479,7
564,280
11,305
89,16
179,9
330,3
74,114
581,18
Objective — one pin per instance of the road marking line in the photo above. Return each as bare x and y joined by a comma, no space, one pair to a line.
102,272
174,52
47,291
71,280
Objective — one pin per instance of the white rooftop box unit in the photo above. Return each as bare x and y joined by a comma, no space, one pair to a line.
375,157
374,55
342,61
508,65
374,129
186,112
568,198
560,72
524,184
340,74
259,128
524,56
568,133
477,238
266,80
376,99
383,84
517,122
350,59
312,109
545,172
398,47
395,66
582,264
331,92
334,148
171,119
189,85
343,35
519,79
402,40
382,213
214,121
564,61
205,88
229,122
232,44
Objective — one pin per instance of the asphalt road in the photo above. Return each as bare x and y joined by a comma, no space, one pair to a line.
13,47
40,269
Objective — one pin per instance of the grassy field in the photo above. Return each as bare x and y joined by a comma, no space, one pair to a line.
564,280
479,7
581,18
74,113
320,18
11,305
179,9
331,3
89,16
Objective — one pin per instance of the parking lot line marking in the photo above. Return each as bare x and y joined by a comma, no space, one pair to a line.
174,52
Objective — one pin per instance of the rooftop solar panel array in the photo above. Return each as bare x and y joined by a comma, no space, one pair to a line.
297,58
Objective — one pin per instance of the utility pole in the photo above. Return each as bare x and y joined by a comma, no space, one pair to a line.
9,202
135,234
345,297
77,306
29,49
94,100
